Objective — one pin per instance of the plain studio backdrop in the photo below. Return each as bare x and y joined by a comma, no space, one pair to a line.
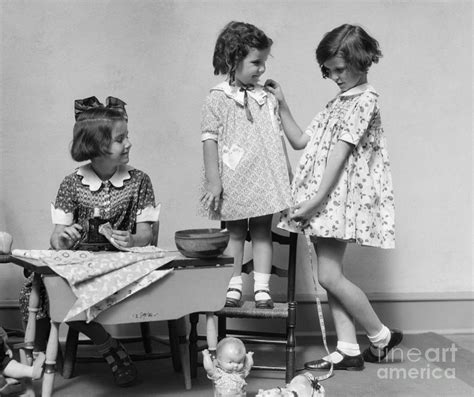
157,57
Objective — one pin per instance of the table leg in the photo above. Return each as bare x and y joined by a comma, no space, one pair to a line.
50,363
184,352
26,351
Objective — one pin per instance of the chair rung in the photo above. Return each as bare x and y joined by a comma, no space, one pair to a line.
256,334
264,341
134,357
268,368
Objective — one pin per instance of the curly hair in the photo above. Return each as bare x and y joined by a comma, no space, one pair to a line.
92,133
233,45
353,44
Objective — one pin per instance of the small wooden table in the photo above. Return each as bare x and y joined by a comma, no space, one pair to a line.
196,285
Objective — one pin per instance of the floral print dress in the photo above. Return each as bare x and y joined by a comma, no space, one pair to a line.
252,157
360,208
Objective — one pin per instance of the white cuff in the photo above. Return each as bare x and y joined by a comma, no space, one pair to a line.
149,214
59,217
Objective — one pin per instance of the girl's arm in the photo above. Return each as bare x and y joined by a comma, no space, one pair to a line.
297,138
64,237
337,159
211,198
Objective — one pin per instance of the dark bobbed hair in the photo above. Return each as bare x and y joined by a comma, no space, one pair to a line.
353,44
233,45
92,132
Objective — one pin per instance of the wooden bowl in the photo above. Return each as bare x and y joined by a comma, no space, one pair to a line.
201,243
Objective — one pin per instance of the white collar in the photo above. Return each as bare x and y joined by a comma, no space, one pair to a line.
234,92
359,90
91,179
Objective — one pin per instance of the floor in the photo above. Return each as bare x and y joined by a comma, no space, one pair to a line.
426,364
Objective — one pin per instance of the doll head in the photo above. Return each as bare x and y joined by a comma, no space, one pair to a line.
350,43
95,123
231,354
233,45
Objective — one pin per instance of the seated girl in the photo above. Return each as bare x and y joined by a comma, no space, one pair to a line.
106,186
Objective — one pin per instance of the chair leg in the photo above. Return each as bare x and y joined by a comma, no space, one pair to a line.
146,337
193,339
290,342
221,328
70,353
174,345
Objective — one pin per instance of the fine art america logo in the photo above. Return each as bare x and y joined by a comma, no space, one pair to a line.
439,363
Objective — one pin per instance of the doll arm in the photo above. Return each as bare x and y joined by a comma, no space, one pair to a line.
296,137
207,362
337,159
248,363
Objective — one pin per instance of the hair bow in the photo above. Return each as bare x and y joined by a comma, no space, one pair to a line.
81,105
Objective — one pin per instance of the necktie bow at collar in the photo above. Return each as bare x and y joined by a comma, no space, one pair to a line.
81,105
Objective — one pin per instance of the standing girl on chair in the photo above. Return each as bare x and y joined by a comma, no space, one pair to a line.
119,193
343,189
246,172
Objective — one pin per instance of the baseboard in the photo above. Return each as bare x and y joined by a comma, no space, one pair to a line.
441,312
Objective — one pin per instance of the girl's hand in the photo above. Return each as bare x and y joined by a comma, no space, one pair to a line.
69,236
211,199
123,238
304,211
275,89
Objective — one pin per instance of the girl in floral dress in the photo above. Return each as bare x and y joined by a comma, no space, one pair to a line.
246,172
343,189
124,197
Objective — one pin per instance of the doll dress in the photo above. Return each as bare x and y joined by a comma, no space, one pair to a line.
251,155
360,207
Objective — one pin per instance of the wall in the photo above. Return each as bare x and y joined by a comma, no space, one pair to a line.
156,55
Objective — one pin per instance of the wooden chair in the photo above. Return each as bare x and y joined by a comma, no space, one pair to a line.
284,310
72,341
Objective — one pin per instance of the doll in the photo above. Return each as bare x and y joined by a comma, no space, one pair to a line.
303,385
229,368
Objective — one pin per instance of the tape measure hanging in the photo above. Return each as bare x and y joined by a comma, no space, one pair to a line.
318,305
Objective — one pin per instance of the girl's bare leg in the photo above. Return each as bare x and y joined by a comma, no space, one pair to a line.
351,299
262,248
238,232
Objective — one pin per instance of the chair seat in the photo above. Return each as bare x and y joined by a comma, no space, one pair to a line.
248,310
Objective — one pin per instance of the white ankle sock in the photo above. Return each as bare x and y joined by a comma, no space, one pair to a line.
235,282
381,339
349,349
261,281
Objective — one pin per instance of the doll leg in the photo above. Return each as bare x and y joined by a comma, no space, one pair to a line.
238,232
16,370
123,369
262,247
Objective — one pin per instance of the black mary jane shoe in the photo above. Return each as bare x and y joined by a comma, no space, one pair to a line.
233,302
396,337
348,363
263,303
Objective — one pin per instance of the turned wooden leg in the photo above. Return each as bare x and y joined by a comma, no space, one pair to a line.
50,363
26,352
184,352
193,340
211,332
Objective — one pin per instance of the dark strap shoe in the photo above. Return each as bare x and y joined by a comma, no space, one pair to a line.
348,363
233,302
263,303
396,337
